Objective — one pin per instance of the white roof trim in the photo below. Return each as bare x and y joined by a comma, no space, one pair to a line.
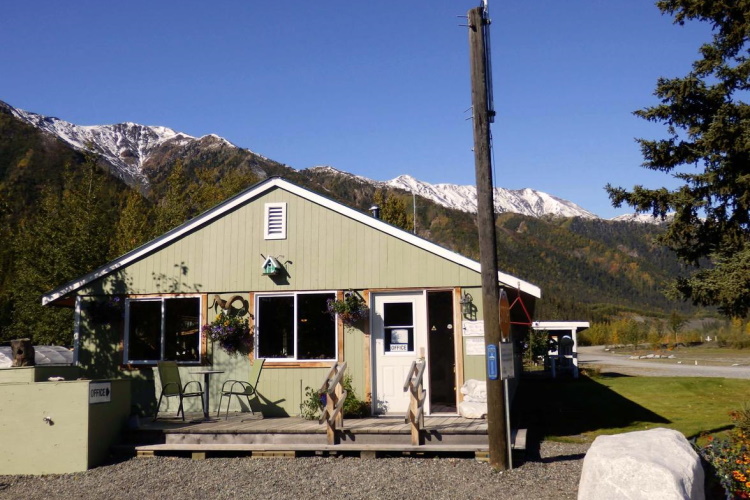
257,190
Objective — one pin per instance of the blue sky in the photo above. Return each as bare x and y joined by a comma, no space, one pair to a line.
376,88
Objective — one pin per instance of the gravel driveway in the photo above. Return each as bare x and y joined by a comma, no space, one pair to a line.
553,473
597,356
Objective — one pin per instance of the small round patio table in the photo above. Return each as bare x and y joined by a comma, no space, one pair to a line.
206,393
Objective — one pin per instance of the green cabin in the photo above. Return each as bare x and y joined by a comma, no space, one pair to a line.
278,255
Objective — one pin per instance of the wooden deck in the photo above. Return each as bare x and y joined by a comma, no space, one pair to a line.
245,434
253,435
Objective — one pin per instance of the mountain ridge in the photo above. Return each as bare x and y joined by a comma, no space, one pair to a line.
588,268
136,154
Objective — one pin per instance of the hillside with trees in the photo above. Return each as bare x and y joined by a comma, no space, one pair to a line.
64,213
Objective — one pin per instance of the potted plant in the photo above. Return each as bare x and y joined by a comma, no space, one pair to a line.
232,332
350,309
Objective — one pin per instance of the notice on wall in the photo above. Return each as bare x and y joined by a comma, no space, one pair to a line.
473,328
100,392
474,346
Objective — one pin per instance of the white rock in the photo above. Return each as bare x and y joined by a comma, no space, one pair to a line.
472,409
658,463
475,390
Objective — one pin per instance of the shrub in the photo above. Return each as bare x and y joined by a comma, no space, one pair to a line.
312,405
315,401
729,459
353,406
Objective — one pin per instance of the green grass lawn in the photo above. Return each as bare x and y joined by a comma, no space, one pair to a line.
580,410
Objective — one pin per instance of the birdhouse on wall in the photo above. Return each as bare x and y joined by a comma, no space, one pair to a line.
271,266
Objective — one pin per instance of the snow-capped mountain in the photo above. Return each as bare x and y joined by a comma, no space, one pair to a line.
643,218
464,198
137,153
522,201
127,146
131,149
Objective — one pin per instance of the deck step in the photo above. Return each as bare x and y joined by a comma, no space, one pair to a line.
369,437
200,451
319,439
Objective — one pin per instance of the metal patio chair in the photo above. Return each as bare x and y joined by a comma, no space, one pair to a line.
171,386
241,388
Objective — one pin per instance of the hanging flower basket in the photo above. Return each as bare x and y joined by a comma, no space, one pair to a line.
350,309
231,332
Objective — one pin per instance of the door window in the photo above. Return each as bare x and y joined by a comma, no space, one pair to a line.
398,326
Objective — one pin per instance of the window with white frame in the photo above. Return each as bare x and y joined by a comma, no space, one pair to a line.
275,221
162,328
294,327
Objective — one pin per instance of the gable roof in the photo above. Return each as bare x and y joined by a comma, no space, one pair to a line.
248,195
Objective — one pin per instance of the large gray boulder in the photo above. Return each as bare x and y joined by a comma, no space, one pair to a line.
658,463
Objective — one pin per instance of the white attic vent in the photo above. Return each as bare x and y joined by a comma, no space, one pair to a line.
275,221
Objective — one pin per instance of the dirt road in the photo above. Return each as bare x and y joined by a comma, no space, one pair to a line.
608,362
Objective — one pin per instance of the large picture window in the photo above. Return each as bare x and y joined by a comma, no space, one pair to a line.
295,327
166,328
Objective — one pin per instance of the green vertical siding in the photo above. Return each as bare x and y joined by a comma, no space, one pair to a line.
324,250
354,348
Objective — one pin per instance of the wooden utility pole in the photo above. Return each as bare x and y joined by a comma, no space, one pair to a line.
496,427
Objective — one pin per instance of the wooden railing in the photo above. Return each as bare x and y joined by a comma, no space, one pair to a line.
333,412
417,395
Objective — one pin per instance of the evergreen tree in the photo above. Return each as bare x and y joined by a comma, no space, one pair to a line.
67,236
392,209
43,251
6,260
707,150
173,208
675,322
133,226
212,187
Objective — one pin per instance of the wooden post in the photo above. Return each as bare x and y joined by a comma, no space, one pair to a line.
415,412
331,401
487,238
413,422
339,391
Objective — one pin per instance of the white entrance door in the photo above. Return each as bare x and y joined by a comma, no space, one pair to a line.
399,336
